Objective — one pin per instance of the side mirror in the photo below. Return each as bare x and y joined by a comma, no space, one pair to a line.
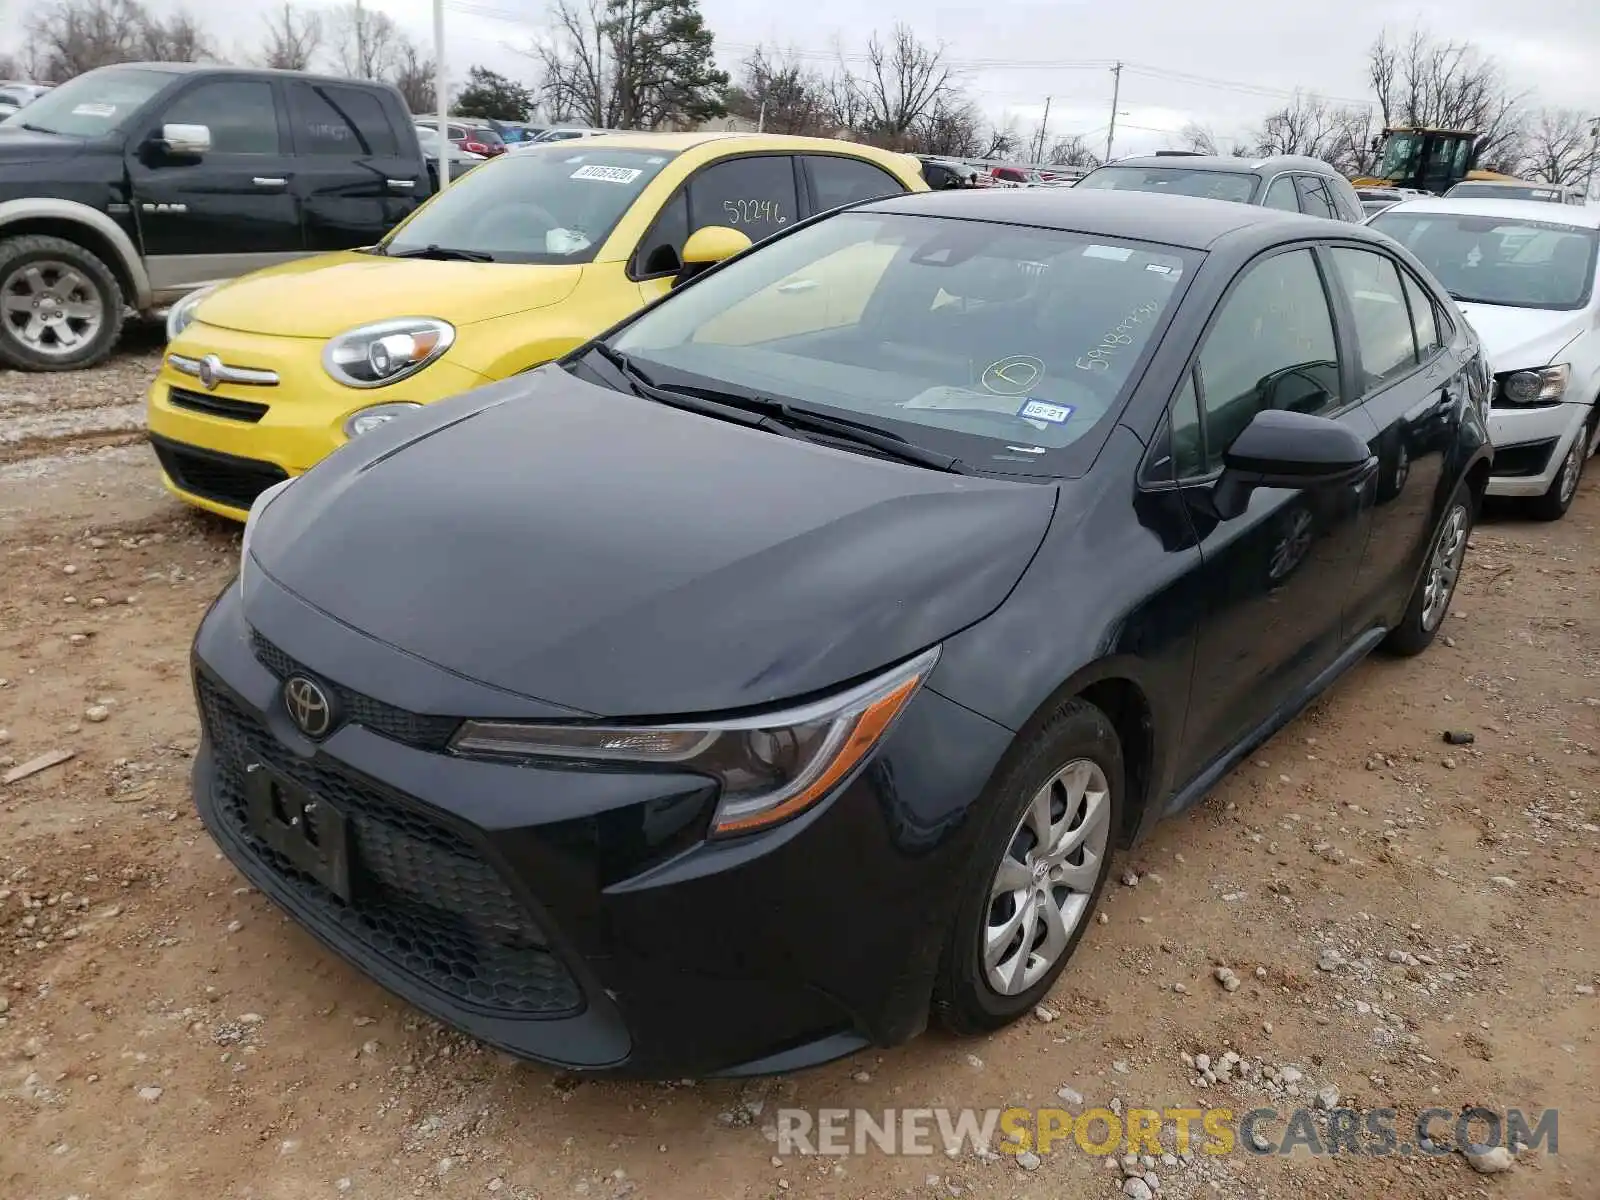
1288,450
708,246
188,141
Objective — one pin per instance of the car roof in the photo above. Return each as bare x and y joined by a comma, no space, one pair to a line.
1226,162
1521,210
785,143
1190,222
212,68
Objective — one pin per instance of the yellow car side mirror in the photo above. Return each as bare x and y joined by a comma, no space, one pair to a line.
708,246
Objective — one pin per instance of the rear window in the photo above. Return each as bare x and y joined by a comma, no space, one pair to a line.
1237,186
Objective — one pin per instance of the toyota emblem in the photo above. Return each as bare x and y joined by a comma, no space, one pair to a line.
210,372
309,707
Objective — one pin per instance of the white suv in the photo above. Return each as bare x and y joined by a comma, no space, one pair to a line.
1523,273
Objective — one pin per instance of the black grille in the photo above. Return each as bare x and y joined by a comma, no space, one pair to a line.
216,406
422,897
222,478
414,729
1517,461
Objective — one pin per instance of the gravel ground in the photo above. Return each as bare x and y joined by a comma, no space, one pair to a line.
1361,917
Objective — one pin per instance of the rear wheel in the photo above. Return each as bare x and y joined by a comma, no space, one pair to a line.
1430,602
60,306
1039,865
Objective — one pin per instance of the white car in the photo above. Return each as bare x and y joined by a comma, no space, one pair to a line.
1523,273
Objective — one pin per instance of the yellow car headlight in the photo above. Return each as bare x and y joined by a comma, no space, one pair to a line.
181,315
385,352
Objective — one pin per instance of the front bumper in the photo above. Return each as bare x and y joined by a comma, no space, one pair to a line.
1530,444
579,917
219,448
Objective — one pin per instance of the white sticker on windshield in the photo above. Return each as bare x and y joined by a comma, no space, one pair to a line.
1114,253
608,174
1040,410
1159,268
95,110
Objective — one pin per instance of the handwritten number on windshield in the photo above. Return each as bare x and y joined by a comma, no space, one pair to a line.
1111,343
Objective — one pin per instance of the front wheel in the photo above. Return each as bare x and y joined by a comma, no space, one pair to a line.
1431,600
1553,505
1038,867
60,306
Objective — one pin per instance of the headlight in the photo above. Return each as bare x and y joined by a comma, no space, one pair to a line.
770,768
1544,385
377,355
181,315
256,509
368,419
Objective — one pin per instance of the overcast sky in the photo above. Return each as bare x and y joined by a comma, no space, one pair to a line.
1238,59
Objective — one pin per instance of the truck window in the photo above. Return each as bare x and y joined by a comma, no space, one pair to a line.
241,114
344,121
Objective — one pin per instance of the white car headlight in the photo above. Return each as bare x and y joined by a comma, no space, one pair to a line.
376,355
1541,385
771,768
181,315
367,419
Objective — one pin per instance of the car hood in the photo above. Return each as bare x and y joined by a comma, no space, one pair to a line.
323,296
1517,338
19,145
590,549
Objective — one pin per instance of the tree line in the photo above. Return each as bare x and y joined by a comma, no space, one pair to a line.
650,64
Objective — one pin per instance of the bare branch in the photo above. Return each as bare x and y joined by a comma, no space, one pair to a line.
294,36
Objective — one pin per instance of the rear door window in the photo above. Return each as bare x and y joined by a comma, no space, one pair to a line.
340,122
836,180
1314,198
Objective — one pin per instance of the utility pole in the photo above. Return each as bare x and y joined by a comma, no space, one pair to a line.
1116,95
761,118
361,38
441,93
1038,154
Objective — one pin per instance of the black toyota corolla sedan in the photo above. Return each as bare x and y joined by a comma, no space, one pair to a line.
784,667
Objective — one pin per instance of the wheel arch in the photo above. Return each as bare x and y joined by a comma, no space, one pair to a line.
88,227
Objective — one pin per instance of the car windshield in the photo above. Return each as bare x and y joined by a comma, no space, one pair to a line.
556,204
1237,186
93,104
1001,345
1495,260
1503,191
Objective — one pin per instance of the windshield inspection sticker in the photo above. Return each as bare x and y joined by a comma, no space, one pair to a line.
1114,253
608,174
1040,410
95,110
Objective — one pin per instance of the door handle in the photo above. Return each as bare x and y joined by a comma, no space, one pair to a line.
401,185
270,181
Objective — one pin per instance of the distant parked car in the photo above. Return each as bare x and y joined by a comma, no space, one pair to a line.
1548,193
470,136
1288,182
563,133
14,96
945,173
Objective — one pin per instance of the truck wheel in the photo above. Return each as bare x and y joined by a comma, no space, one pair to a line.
60,306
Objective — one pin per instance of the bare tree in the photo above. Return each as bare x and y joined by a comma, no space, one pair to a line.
1004,142
73,36
1560,146
953,128
1198,138
414,76
784,96
903,81
11,67
631,64
847,104
365,42
294,35
1313,127
1422,81
1073,151
178,38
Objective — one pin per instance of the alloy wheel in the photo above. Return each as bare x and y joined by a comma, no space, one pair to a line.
1041,891
1444,567
1571,469
51,308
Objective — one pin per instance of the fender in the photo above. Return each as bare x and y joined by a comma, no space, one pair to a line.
46,207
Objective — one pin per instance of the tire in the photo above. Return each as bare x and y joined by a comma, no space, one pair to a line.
1077,738
1426,610
1553,505
52,270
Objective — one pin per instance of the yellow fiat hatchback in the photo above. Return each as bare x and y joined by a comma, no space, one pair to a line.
521,260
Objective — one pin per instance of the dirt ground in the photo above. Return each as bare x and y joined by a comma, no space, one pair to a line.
1411,922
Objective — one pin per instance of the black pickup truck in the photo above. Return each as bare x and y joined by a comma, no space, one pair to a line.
131,185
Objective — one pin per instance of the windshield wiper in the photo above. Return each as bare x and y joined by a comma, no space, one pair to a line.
434,250
775,416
